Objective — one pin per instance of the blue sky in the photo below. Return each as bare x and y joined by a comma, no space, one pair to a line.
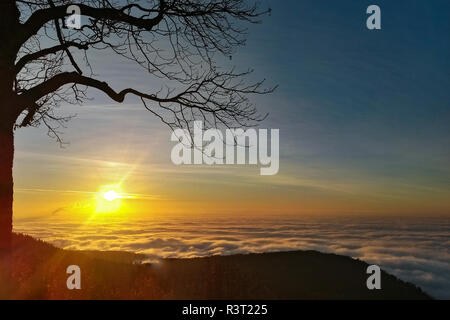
365,92
373,100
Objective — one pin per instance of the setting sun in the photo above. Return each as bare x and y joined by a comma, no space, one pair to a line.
108,199
111,195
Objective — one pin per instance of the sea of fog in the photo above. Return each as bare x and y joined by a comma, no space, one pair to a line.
413,249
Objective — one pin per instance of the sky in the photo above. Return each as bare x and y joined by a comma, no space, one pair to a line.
363,116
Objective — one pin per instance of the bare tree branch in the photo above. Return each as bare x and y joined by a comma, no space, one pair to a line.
42,53
42,16
178,43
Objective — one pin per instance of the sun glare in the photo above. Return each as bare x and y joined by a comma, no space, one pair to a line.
108,199
111,195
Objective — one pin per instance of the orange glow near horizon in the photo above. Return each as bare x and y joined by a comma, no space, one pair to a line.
99,190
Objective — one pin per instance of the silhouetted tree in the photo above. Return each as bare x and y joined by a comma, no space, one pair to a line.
43,63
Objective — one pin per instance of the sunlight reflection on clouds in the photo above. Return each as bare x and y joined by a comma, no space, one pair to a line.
416,250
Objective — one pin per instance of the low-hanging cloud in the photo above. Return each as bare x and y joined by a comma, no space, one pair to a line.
415,250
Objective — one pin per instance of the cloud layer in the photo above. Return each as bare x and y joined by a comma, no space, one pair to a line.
415,250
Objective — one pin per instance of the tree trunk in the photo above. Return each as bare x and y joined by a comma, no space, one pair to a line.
6,184
9,21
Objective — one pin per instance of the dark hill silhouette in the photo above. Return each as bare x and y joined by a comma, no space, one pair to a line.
39,272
